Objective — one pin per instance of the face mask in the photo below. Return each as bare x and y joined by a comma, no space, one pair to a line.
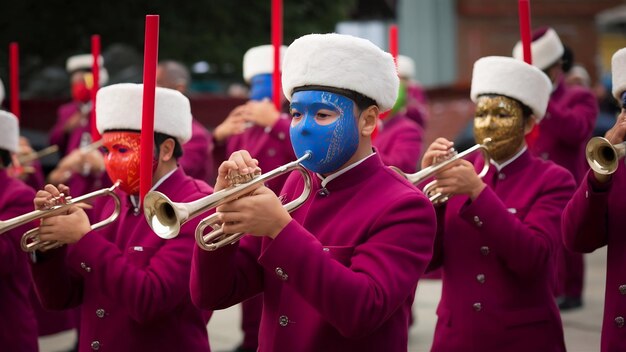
261,87
501,119
325,124
121,159
80,93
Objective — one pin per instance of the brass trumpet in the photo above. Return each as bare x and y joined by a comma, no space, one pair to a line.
166,217
602,156
429,189
30,241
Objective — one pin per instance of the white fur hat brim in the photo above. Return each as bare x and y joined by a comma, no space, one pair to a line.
618,68
260,60
406,67
545,50
119,107
9,131
341,61
514,79
2,94
85,62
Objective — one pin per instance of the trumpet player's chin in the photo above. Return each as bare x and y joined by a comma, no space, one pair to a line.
503,148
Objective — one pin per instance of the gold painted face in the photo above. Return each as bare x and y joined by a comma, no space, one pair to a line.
501,119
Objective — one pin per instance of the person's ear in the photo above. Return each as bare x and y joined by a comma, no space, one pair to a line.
166,150
368,120
529,124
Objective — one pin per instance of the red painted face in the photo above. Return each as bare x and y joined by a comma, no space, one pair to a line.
121,159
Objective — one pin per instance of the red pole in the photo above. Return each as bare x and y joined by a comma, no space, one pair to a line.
150,61
277,41
524,28
95,69
393,43
14,78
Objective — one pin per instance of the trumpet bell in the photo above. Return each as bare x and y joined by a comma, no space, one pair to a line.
162,215
602,156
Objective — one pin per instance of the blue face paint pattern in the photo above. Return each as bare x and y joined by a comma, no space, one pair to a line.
261,87
332,144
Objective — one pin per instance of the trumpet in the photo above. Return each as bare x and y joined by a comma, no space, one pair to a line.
166,217
30,240
27,158
602,156
429,189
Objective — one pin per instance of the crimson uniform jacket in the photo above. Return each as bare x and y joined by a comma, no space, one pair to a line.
197,159
271,146
497,255
596,217
341,276
566,128
19,326
67,141
133,287
399,143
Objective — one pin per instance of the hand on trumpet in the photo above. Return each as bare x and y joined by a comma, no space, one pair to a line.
260,213
78,161
615,136
67,228
459,177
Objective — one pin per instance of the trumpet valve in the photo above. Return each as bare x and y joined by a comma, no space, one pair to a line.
234,178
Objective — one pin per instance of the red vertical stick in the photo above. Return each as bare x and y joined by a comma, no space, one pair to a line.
95,69
14,78
393,43
277,41
524,28
150,58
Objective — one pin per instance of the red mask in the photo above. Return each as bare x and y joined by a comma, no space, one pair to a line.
121,159
80,92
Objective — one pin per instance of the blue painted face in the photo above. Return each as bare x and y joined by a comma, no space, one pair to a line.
261,87
325,124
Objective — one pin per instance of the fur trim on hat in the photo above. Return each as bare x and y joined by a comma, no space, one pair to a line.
1,92
618,68
85,62
406,67
546,50
9,131
514,79
260,60
341,61
119,107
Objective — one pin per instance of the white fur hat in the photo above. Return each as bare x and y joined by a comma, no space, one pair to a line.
9,131
85,62
260,60
119,108
406,67
514,79
341,61
618,68
1,91
545,50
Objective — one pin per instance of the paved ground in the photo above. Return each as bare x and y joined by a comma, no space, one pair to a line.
582,327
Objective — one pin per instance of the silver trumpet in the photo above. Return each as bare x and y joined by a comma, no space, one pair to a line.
602,156
30,240
427,172
166,217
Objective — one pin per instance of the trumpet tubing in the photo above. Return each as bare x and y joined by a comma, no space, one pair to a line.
602,156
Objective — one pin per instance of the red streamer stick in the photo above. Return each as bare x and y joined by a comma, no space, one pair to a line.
95,69
524,28
150,60
14,78
393,43
277,41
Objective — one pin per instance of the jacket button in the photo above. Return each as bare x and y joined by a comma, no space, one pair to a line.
281,136
501,176
95,345
477,221
100,313
480,278
85,267
619,321
477,307
622,289
281,274
323,192
484,250
283,320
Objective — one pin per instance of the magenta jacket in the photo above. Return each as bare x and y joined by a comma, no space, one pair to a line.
498,259
132,286
19,326
197,159
399,143
270,146
341,276
596,217
566,128
67,142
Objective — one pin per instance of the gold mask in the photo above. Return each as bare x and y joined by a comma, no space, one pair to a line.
501,119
